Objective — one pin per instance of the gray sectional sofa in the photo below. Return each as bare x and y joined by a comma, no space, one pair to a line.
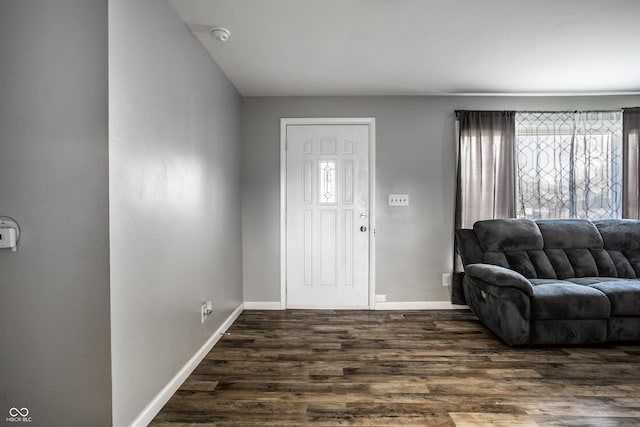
554,281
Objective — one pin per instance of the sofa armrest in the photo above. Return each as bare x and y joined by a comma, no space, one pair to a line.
499,276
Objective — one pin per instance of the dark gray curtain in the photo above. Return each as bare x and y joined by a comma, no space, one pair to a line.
485,175
630,163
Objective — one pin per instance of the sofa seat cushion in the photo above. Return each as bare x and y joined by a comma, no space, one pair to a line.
561,299
591,280
623,294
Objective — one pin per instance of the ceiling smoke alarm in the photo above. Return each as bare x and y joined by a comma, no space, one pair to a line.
220,34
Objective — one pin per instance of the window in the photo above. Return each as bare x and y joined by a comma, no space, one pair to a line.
568,165
327,182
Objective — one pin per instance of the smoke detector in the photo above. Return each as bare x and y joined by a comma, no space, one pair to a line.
220,34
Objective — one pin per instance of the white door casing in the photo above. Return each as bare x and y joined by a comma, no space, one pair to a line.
328,217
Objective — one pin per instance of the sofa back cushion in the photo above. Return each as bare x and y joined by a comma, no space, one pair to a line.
558,249
622,242
511,243
575,248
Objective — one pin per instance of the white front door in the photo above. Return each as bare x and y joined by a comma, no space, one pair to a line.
327,216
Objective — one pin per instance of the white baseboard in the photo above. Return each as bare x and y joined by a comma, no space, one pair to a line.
262,305
151,410
400,305
314,307
418,305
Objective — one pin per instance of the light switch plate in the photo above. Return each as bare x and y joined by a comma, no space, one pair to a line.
398,200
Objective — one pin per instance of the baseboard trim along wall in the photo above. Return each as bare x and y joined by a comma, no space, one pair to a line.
419,305
151,410
262,305
401,305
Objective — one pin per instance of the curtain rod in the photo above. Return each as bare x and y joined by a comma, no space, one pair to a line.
548,111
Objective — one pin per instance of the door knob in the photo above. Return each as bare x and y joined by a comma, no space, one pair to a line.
363,228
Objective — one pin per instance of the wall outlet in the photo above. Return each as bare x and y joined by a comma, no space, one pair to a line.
446,280
206,310
381,298
398,200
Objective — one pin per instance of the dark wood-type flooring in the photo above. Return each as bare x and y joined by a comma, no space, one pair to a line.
381,368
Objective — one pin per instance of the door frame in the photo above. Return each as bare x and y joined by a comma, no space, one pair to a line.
371,123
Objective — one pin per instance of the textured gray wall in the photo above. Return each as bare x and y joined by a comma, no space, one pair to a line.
54,292
415,155
175,124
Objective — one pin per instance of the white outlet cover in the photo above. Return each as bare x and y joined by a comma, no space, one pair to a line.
446,280
203,312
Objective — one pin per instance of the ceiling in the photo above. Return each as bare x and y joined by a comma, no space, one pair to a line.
422,47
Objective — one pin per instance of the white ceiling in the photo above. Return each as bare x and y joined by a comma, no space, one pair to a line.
415,47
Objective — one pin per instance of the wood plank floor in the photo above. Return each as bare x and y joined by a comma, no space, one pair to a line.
377,368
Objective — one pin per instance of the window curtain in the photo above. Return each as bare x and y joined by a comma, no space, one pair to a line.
485,175
630,163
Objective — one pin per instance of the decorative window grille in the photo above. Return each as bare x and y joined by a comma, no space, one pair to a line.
569,164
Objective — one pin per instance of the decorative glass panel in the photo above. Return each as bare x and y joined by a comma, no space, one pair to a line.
327,182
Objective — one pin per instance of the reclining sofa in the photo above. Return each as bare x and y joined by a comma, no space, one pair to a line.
554,281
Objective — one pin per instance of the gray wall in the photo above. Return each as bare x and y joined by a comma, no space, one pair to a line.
175,198
54,292
415,155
